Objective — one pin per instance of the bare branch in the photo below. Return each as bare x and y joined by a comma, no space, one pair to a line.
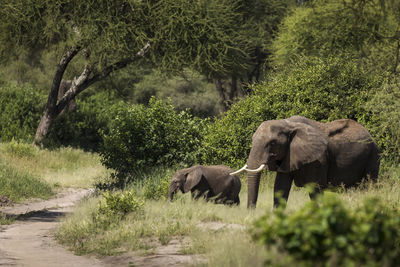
83,81
75,89
67,57
118,65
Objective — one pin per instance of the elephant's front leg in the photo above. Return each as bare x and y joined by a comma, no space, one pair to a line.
283,183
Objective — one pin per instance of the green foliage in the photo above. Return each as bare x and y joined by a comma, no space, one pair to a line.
325,232
83,127
94,227
19,186
115,206
189,90
320,89
384,123
117,30
4,220
20,149
20,112
22,107
156,184
366,30
143,137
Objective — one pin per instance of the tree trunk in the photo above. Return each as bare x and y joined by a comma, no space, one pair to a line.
51,105
44,126
56,104
65,85
222,93
227,91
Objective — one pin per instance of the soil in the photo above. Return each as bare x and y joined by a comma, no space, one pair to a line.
30,242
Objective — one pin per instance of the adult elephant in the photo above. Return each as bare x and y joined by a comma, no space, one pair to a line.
210,182
336,153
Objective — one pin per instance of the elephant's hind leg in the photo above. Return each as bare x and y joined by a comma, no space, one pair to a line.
237,200
372,168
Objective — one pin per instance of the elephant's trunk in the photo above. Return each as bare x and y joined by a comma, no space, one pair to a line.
171,193
253,183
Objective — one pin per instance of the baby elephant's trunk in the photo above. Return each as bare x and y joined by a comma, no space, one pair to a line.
171,193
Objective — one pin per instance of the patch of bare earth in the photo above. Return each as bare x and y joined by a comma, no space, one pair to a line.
168,255
29,241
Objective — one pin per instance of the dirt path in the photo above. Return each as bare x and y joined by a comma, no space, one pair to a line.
29,241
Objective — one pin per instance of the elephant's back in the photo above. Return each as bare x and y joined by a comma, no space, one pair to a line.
217,170
350,148
346,130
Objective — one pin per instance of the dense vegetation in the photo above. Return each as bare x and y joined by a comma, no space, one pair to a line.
209,74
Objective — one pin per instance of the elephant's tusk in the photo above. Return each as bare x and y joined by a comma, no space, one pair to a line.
239,171
256,170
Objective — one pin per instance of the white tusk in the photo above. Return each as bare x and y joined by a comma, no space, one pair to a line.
239,171
256,170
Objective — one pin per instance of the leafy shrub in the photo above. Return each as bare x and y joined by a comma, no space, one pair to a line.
326,232
320,89
83,127
156,185
115,206
142,137
384,121
120,204
20,111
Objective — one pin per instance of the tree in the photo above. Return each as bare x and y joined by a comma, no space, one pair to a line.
102,37
365,30
257,28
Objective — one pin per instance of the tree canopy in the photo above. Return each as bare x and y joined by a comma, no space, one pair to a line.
95,38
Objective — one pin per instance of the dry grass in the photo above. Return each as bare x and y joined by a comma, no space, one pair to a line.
226,246
63,167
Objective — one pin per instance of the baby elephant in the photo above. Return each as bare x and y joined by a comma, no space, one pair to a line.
207,181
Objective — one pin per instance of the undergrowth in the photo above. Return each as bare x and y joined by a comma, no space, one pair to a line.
18,185
159,221
62,167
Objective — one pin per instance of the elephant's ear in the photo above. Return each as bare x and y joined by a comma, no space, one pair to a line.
308,144
193,179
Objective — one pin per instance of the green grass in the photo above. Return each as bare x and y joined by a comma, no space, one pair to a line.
29,172
18,186
4,220
162,221
64,167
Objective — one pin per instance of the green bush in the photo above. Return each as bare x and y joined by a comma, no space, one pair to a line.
384,122
143,137
326,233
20,111
156,184
114,207
320,89
83,127
118,204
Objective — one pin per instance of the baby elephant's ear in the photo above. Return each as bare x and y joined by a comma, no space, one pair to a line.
193,178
